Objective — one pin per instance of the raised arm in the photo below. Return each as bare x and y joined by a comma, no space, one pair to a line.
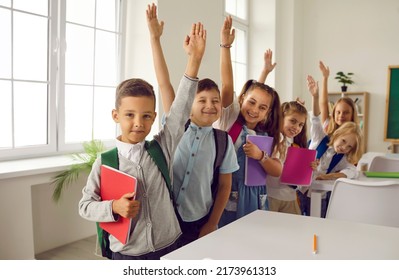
323,101
314,91
268,66
227,35
194,45
161,69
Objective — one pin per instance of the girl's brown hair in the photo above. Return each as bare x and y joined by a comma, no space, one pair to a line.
271,125
289,108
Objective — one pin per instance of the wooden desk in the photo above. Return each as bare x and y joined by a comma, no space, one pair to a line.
266,235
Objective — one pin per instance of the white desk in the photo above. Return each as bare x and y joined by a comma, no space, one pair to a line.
319,186
266,235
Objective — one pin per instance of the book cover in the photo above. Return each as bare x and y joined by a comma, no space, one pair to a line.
113,185
255,175
381,174
297,169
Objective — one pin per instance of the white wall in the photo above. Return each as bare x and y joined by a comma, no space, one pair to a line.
349,35
262,34
56,224
359,36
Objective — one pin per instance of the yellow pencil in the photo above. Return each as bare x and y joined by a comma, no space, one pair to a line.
314,244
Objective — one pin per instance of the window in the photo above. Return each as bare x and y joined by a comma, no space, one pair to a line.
238,10
58,74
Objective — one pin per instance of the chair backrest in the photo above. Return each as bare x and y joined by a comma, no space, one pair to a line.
384,164
370,202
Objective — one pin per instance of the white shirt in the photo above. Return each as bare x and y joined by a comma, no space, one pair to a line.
132,152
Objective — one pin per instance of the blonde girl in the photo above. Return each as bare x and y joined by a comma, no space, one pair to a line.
344,109
338,152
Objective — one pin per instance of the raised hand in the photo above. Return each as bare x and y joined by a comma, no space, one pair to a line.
227,33
313,86
324,69
195,43
268,65
154,25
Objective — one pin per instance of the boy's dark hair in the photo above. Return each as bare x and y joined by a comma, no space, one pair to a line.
207,84
133,87
288,108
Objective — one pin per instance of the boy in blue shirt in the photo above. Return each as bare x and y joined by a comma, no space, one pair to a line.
198,208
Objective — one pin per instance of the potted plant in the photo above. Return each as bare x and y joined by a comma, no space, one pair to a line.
84,163
344,79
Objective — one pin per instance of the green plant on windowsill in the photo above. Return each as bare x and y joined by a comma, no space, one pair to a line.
344,79
84,163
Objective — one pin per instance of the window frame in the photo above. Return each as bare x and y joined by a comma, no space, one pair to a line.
55,80
241,24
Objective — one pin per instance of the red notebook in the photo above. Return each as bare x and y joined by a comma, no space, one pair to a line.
115,184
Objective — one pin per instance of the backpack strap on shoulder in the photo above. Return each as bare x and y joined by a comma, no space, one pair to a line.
155,151
187,124
235,130
221,142
322,147
109,158
336,158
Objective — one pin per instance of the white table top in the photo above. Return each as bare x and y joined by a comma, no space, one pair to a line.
264,235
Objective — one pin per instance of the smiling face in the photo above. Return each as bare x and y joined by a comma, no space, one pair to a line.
343,144
135,115
343,113
255,106
206,108
293,124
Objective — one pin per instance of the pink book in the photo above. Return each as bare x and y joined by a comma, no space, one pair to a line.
255,175
296,169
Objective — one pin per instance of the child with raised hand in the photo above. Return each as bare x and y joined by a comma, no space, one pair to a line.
154,225
282,197
200,189
337,153
256,111
161,69
344,109
268,66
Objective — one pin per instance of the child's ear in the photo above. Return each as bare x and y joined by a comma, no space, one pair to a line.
115,115
155,116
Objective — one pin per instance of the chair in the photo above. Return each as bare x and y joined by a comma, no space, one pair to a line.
384,164
370,202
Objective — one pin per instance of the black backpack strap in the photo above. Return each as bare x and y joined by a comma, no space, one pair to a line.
187,124
109,158
221,142
156,153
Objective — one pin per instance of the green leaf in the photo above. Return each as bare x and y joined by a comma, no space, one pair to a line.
84,163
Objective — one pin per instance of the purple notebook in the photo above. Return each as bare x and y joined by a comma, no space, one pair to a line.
255,175
297,170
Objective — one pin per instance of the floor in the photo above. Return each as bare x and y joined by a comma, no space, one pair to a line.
84,249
